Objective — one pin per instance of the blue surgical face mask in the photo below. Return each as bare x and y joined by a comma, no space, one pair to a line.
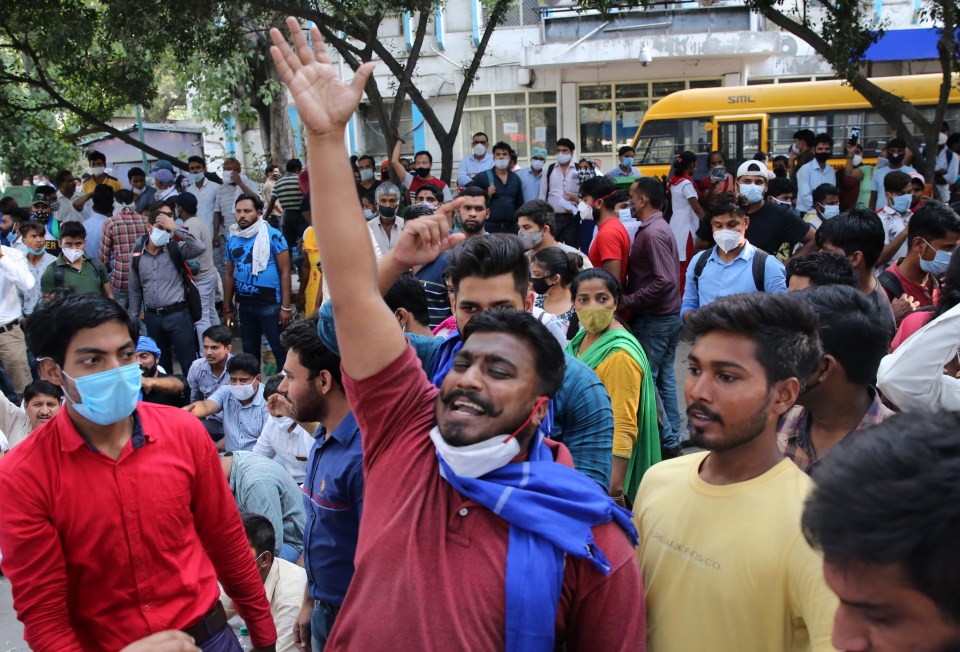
752,192
627,161
109,396
901,204
830,212
937,266
197,177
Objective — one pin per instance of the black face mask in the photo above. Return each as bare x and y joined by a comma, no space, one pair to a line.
423,172
387,212
895,159
822,157
540,285
42,216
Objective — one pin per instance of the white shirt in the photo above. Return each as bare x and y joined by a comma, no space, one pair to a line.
385,241
288,445
284,586
226,201
206,200
912,376
14,275
893,223
809,177
66,212
684,222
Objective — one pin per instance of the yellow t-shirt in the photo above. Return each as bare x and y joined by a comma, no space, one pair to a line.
725,567
621,375
313,280
90,184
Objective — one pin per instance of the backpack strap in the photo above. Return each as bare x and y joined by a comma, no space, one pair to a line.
549,173
889,282
701,264
760,268
57,276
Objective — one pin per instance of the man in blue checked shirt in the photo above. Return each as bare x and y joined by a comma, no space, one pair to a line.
241,402
733,265
333,487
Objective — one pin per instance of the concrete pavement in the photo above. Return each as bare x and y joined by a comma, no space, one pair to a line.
11,631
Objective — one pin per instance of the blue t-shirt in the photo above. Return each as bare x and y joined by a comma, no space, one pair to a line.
264,288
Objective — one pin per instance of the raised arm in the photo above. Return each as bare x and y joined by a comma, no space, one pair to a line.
395,163
325,104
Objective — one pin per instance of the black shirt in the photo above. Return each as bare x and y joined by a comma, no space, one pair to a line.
770,227
165,398
505,201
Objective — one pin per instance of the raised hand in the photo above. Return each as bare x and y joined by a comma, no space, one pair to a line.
324,103
425,238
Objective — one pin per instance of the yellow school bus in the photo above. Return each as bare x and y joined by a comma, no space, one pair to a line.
740,121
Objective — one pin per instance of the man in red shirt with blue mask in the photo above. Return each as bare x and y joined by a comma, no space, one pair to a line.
116,520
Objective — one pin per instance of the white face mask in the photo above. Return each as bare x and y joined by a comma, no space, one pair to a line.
829,212
586,212
536,164
857,160
368,213
563,158
73,255
137,191
501,163
625,215
283,423
476,460
242,392
479,149
228,176
96,171
727,239
366,174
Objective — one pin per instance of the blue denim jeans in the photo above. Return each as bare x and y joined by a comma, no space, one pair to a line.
321,624
659,335
257,320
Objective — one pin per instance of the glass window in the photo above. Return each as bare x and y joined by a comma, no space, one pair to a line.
657,144
511,128
474,121
629,117
595,92
662,89
513,121
543,128
595,128
545,97
374,141
633,90
510,99
476,101
706,83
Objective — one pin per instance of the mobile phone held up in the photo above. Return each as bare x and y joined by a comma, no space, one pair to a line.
854,135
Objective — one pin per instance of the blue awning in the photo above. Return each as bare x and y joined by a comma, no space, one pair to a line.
905,45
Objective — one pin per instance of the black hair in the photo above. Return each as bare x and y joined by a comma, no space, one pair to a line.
652,189
917,181
601,187
806,135
124,196
415,211
760,156
407,293
502,146
494,254
474,191
851,329
95,155
55,321
780,158
260,533
547,355
103,199
823,138
367,157
555,260
32,225
897,143
953,139
539,212
624,149
823,268
824,190
135,172
295,165
41,388
858,229
598,273
480,133
302,337
895,181
783,330
72,229
437,193
729,203
61,177
199,159
424,152
933,220
257,202
949,288
566,142
682,162
780,186
890,498
243,362
18,214
272,385
220,334
717,152
153,210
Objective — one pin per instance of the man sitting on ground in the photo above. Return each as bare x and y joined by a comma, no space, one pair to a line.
283,439
162,388
244,409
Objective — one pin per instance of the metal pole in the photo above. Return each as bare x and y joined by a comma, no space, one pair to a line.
143,154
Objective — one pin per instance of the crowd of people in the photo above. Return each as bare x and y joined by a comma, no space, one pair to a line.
473,437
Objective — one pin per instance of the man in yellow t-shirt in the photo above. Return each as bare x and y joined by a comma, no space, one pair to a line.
725,565
98,174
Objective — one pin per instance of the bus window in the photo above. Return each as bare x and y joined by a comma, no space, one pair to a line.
738,140
660,141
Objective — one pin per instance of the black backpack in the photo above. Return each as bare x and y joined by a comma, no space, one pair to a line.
191,293
759,267
59,274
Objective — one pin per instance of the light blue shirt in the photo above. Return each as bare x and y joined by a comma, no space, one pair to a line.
94,228
721,279
618,172
809,176
242,424
530,183
470,166
876,185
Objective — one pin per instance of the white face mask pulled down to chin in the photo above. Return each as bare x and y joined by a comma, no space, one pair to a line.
477,460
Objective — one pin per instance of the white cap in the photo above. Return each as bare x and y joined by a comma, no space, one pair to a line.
753,167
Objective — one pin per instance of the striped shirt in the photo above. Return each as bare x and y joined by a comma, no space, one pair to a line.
263,487
435,287
242,424
287,192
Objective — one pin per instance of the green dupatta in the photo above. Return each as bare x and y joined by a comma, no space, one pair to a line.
646,451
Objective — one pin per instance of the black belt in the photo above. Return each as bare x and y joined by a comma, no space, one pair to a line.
9,326
329,607
209,626
166,310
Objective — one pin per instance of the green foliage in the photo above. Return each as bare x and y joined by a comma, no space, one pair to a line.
34,145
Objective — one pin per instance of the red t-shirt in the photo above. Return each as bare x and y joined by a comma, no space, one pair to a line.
420,181
101,553
612,243
431,564
920,293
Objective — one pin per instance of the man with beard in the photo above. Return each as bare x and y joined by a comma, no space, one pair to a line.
477,533
156,387
723,527
209,373
333,488
474,211
885,513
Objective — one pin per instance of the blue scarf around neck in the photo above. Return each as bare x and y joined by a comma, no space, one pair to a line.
551,509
